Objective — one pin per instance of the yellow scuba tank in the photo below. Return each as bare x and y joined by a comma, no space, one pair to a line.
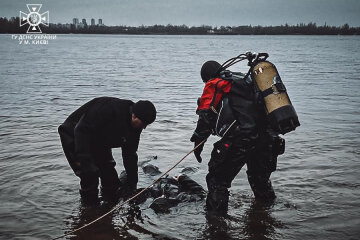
281,113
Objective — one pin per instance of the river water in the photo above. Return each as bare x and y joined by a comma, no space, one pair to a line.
317,181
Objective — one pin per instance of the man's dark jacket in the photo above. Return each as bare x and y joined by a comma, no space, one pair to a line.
101,124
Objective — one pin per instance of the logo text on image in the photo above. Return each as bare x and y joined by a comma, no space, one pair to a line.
34,18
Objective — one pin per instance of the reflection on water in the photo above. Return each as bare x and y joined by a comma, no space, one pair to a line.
256,223
216,228
104,228
259,222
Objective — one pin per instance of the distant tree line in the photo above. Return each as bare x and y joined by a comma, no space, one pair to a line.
12,26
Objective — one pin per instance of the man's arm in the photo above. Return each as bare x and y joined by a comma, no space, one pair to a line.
201,133
130,160
203,128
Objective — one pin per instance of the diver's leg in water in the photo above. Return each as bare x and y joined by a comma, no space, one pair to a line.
84,169
89,181
89,175
109,179
225,163
66,132
259,170
110,182
105,164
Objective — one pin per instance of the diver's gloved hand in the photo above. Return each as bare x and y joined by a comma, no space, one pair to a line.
198,151
197,140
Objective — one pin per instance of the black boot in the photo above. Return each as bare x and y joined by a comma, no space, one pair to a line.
262,188
110,193
217,201
89,196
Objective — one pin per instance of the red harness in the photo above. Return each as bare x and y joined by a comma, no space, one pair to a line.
213,91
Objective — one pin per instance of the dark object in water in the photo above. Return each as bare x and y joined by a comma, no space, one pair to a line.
163,204
142,197
166,192
169,192
188,170
151,170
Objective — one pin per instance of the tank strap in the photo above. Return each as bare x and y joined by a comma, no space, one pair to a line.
274,89
215,92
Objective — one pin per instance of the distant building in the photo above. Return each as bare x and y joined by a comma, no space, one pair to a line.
83,24
75,21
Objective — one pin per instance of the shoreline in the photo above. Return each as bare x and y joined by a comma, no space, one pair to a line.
12,27
177,34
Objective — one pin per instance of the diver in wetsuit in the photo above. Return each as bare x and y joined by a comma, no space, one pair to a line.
233,112
89,134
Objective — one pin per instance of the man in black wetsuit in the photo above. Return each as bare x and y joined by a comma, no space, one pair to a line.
89,134
246,138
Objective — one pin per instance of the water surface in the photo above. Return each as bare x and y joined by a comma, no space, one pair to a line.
317,181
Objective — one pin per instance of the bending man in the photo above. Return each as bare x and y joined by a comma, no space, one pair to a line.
89,134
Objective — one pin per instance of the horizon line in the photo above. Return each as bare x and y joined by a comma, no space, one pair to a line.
207,25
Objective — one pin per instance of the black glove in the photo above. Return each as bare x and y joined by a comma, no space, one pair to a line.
198,151
197,140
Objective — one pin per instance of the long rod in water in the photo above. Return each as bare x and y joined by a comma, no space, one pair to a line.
129,199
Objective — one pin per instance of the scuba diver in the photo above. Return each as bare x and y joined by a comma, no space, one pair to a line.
89,134
232,107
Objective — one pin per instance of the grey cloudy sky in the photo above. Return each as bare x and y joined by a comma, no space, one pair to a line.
195,12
